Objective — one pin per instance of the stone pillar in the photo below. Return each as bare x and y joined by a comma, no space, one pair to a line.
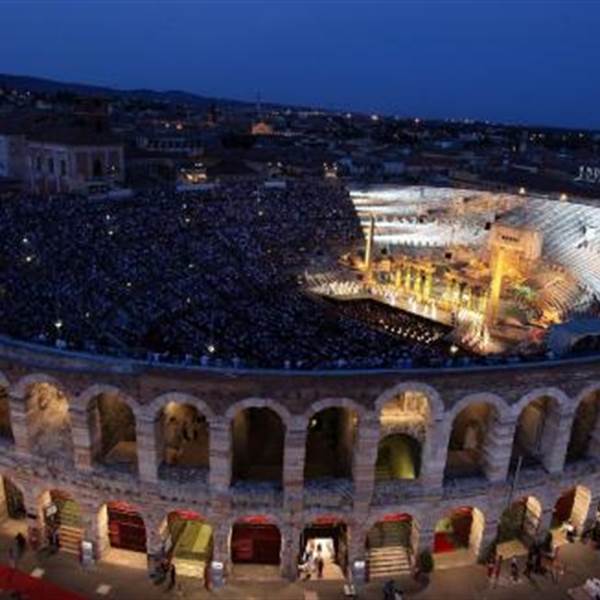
154,541
435,453
82,441
293,464
18,422
357,553
365,457
290,536
556,436
220,455
147,455
488,535
497,448
219,565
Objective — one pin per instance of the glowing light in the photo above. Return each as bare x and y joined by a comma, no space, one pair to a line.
58,324
522,191
210,348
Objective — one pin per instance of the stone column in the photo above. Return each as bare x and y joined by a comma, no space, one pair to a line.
357,552
18,422
434,454
220,559
293,464
220,455
497,448
154,541
488,536
290,536
363,465
556,435
147,455
82,439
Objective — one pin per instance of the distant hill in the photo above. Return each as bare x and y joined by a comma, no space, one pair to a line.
50,86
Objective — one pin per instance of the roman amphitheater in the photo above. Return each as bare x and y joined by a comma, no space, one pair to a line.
233,468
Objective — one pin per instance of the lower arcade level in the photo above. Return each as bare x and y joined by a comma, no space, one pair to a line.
260,490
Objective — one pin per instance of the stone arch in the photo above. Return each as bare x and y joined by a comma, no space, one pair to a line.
434,400
47,417
112,423
584,438
560,400
21,388
258,432
332,433
90,393
275,406
161,401
475,425
537,430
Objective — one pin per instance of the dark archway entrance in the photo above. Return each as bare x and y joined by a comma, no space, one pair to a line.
258,445
398,457
126,529
254,540
391,544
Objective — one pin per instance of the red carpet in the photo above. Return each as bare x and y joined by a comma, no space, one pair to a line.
443,543
31,587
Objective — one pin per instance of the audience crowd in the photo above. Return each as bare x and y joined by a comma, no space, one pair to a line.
203,277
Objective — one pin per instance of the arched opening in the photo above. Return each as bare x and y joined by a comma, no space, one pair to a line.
519,525
62,519
113,432
570,510
459,534
12,502
404,421
255,541
585,425
467,456
398,457
258,444
330,444
324,541
124,526
391,544
188,542
183,440
535,433
6,433
48,423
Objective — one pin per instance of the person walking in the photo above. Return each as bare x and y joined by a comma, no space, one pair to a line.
498,569
491,567
514,569
172,576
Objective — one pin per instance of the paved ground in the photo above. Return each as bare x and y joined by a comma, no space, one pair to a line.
466,583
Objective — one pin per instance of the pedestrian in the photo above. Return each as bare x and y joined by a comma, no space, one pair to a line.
319,562
21,544
529,564
172,576
498,570
514,569
491,564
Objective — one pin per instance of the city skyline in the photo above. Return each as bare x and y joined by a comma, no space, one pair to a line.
525,63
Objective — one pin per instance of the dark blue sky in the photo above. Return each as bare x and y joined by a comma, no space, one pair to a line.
510,60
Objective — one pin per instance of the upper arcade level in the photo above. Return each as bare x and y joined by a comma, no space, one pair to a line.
327,441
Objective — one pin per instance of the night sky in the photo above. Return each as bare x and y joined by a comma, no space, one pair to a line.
513,61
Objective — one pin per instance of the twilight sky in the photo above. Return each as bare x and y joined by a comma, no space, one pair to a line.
534,61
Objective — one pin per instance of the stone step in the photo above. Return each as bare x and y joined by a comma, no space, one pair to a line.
70,538
388,560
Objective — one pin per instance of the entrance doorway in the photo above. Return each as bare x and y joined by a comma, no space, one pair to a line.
255,541
63,516
325,539
188,542
126,529
390,544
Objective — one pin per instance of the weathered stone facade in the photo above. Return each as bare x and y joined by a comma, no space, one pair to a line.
219,395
